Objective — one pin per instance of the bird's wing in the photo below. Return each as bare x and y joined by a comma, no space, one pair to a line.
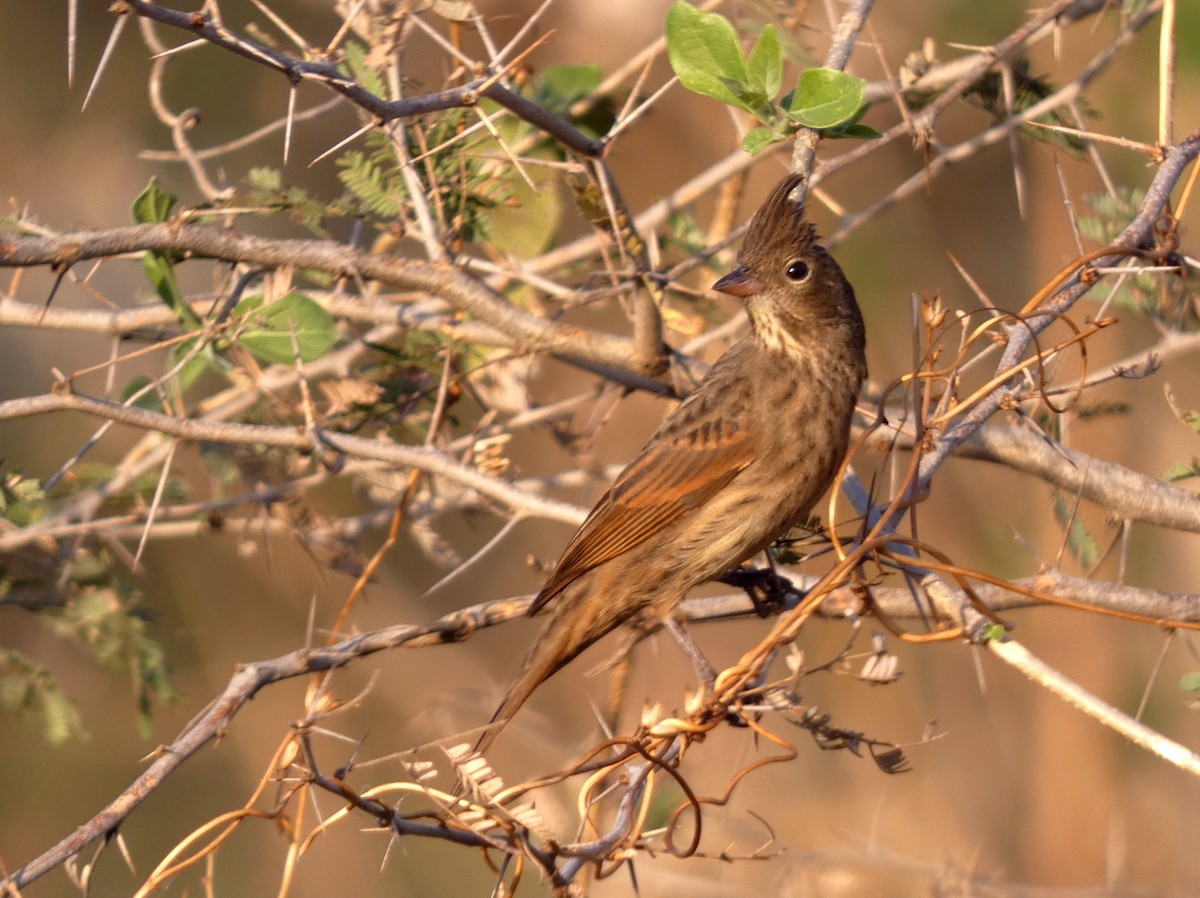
688,461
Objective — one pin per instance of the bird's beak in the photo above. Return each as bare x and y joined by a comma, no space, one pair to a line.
740,282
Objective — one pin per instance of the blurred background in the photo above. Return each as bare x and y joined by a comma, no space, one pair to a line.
1020,795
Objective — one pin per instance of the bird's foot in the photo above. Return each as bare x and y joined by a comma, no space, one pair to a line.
766,588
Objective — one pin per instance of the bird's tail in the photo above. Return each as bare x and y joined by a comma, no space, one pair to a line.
541,662
555,646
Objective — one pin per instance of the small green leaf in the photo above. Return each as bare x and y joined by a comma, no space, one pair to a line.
148,400
22,500
563,85
704,52
526,225
755,102
161,273
194,368
857,131
764,66
265,188
63,721
153,204
265,178
1181,471
364,73
111,623
29,689
824,98
1111,214
271,329
373,181
759,139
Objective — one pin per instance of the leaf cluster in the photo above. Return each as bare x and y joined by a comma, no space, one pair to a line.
707,57
988,93
84,598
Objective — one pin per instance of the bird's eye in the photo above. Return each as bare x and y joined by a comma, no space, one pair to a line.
798,271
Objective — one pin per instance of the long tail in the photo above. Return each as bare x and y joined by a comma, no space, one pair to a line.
537,667
567,634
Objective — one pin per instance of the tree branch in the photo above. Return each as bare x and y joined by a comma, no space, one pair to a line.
250,678
804,150
246,682
459,290
430,460
1122,492
327,73
1138,232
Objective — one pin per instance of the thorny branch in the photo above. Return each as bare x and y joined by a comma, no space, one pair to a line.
462,292
210,29
1136,235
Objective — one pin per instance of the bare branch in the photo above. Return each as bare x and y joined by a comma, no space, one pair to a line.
1126,494
1138,233
328,74
461,291
244,685
426,459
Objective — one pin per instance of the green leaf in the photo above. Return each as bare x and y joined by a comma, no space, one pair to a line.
63,720
28,688
149,663
148,400
265,178
857,131
271,329
22,500
357,67
563,85
161,273
757,103
373,181
704,53
113,626
994,633
526,225
764,66
195,367
759,139
1182,471
825,98
989,93
265,187
1100,408
153,204
1111,215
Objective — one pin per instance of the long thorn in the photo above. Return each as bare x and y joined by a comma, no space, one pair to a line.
113,37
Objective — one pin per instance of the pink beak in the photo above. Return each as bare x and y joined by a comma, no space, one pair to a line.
740,282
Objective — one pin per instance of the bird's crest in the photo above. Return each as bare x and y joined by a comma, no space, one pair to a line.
778,228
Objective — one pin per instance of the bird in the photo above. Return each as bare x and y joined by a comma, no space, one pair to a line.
733,468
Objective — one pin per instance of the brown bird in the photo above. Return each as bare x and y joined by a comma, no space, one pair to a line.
735,466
